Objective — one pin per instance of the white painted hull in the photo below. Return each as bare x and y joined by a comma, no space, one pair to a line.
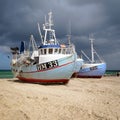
95,70
60,73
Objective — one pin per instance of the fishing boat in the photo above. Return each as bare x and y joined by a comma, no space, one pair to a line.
92,68
50,62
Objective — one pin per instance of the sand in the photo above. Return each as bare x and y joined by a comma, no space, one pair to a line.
80,99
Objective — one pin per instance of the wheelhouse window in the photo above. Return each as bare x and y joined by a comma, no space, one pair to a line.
50,51
68,51
45,51
55,51
59,50
41,51
64,51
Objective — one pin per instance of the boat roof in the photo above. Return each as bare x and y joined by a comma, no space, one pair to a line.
49,46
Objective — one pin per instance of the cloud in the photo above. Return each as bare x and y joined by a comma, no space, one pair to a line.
112,60
19,20
4,49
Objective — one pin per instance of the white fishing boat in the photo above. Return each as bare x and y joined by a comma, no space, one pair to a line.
50,62
92,68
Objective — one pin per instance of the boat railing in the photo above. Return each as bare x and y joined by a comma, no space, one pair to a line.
96,61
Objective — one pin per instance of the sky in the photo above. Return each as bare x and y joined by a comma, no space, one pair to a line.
19,18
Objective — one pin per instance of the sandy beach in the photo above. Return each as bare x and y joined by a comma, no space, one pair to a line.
80,99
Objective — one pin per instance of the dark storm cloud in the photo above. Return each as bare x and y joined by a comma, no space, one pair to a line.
18,19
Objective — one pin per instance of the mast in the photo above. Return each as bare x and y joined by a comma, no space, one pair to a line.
40,33
32,43
47,27
69,33
50,20
92,49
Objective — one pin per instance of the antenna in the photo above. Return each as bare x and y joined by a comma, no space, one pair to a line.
49,36
91,38
45,20
49,23
69,32
40,33
50,20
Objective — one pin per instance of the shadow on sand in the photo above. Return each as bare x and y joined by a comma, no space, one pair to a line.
46,84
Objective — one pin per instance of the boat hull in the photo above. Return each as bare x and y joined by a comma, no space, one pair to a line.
78,64
61,73
95,70
32,80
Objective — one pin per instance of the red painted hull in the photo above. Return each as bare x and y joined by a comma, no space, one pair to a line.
88,76
32,80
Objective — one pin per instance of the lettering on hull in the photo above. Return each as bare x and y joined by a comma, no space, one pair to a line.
93,68
47,65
